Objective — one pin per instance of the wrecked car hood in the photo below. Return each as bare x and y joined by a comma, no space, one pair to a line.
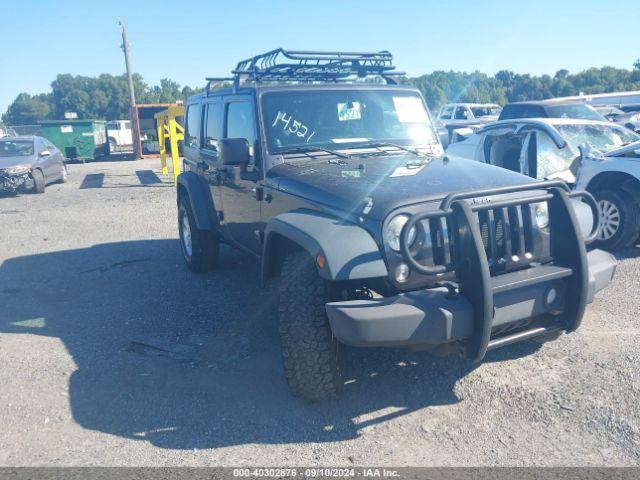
388,181
6,162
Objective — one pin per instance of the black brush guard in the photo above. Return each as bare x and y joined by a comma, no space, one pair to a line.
471,265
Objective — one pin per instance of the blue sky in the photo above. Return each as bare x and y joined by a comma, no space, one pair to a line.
188,40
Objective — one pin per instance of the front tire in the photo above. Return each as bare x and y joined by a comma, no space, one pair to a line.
311,355
619,219
111,147
63,174
38,181
200,248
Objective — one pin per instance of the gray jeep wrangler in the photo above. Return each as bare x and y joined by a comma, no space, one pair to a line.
331,174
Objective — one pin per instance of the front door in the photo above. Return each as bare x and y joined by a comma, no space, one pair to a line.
240,185
45,162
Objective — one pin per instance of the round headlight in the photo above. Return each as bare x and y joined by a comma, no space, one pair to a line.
541,213
393,230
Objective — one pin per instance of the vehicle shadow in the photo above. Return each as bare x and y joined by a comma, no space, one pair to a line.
190,361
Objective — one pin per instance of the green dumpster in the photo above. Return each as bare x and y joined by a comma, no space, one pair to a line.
77,139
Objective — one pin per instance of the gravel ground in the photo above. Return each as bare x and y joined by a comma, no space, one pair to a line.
112,353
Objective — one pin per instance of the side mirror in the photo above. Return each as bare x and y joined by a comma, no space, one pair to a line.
233,151
45,153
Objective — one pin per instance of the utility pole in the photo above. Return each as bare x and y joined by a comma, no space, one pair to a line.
133,114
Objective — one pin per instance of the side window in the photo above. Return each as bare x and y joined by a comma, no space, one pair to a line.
126,125
212,128
461,113
112,126
240,122
446,111
550,158
192,130
532,111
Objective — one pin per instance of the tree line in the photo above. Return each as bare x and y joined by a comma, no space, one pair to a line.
505,86
106,96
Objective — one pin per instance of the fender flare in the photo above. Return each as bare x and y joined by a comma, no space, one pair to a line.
350,252
199,196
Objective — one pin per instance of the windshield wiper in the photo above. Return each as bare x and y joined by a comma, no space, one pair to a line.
311,148
394,145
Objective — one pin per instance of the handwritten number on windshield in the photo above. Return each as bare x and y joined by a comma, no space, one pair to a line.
292,126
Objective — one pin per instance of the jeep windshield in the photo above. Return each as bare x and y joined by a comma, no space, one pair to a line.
602,137
342,119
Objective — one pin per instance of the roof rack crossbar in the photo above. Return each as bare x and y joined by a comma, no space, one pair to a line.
310,66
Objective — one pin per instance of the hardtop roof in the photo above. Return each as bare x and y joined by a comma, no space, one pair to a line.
257,89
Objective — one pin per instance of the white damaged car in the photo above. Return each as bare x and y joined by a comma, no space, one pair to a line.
600,157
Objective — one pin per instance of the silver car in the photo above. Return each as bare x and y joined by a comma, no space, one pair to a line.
29,164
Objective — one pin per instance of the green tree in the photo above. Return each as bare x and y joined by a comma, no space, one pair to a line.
28,110
107,97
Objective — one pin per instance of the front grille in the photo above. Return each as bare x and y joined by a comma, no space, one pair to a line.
507,234
507,237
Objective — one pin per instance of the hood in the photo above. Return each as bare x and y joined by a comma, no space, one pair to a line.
390,182
6,162
630,147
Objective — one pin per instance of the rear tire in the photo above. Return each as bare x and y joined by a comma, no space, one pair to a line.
38,181
310,353
619,219
200,248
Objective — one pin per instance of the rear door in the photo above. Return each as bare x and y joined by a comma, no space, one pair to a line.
57,160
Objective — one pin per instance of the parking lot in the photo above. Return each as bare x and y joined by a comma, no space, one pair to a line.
113,353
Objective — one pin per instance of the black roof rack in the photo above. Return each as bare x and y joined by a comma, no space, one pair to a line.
306,66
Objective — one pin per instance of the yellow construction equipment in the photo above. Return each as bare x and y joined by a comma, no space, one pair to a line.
170,129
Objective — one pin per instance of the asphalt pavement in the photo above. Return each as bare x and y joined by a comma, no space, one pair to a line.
113,353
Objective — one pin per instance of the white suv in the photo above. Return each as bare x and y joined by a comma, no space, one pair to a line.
600,157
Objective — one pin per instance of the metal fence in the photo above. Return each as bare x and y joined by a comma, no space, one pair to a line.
20,129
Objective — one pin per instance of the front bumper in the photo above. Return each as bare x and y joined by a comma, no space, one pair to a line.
13,182
433,317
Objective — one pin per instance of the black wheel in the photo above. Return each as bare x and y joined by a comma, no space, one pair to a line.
619,219
112,146
38,181
310,353
200,248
